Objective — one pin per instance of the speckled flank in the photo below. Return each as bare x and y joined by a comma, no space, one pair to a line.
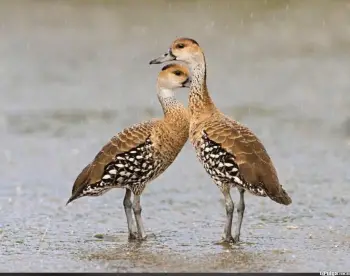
130,169
222,167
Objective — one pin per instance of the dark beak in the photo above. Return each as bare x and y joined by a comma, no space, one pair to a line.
187,83
168,56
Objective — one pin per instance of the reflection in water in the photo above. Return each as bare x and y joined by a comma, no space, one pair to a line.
155,255
73,73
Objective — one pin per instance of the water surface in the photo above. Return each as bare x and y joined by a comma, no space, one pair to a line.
73,73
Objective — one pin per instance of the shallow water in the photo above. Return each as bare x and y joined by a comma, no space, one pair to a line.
75,72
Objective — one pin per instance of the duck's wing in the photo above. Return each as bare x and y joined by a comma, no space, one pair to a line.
249,154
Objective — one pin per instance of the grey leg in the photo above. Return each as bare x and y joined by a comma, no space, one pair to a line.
136,206
240,212
229,214
128,213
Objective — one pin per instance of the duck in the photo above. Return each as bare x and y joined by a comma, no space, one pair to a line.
232,155
140,153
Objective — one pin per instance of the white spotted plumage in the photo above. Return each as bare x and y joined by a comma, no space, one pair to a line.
221,166
132,168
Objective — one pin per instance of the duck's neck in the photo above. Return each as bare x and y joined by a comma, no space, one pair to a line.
166,98
200,102
175,114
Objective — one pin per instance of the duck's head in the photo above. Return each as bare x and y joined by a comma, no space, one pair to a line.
174,76
182,49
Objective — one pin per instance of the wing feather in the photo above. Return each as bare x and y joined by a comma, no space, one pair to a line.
122,142
255,165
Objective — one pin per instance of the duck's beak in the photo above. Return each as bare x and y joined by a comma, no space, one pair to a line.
168,56
187,83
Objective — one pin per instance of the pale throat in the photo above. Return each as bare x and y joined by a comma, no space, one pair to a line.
165,93
196,61
166,98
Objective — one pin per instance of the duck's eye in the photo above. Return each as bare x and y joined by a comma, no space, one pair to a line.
180,46
178,73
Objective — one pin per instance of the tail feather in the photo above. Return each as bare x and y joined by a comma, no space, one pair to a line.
80,183
282,198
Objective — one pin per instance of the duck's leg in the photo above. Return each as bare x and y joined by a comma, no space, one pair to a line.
240,213
227,237
128,213
136,206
